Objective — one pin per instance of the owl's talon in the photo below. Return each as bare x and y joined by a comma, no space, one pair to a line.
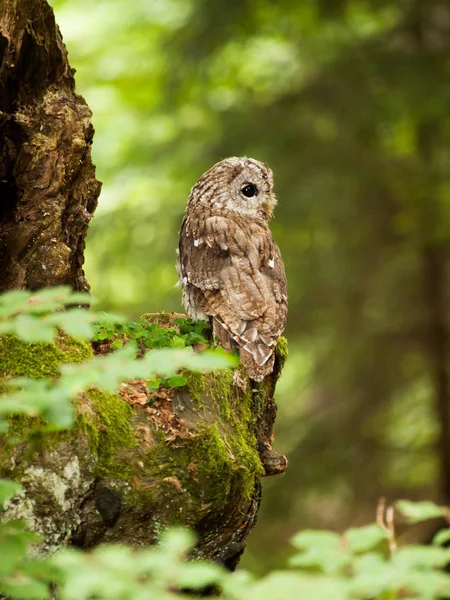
273,462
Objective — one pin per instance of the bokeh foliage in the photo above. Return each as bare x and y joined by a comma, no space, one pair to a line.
348,102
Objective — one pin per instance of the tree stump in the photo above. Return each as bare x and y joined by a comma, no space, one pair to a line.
137,462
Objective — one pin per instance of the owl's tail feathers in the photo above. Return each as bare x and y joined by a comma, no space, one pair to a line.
256,351
256,371
221,335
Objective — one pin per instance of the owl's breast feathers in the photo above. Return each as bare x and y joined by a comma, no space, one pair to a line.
231,269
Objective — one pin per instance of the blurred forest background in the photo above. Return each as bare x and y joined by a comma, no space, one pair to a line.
349,103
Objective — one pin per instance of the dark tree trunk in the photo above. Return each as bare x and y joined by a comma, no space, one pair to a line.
435,267
48,190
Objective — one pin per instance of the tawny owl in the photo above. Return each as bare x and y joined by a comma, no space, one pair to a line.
229,266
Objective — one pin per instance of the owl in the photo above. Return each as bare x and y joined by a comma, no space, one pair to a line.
230,269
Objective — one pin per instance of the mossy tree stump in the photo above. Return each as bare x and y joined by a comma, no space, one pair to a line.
137,462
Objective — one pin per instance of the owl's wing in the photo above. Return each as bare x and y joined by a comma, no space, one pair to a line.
241,285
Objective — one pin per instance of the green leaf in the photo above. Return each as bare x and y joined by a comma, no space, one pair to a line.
154,383
415,512
418,557
373,576
442,537
8,489
176,542
105,372
25,590
34,329
199,575
15,537
176,381
327,559
362,539
167,360
116,344
13,302
310,538
296,586
178,342
425,585
75,322
193,338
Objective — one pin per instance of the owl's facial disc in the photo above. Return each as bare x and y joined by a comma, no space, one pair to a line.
251,190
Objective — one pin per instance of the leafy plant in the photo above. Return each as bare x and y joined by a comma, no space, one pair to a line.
148,335
356,565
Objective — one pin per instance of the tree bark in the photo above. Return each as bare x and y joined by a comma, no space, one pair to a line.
127,469
48,190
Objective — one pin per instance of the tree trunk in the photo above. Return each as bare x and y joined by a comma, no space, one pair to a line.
127,469
435,266
48,190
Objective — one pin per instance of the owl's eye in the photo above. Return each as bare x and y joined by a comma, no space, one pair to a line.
249,190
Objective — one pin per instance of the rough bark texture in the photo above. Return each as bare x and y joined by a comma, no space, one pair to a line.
129,469
48,190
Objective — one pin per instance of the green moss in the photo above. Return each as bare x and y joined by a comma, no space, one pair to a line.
281,350
20,359
109,430
229,450
216,466
74,351
161,318
214,460
220,389
228,462
196,384
28,360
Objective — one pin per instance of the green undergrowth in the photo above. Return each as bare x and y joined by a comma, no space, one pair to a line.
154,330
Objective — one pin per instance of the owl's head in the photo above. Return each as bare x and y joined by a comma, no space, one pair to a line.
243,185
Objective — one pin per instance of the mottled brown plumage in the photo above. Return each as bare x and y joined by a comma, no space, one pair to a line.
230,268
